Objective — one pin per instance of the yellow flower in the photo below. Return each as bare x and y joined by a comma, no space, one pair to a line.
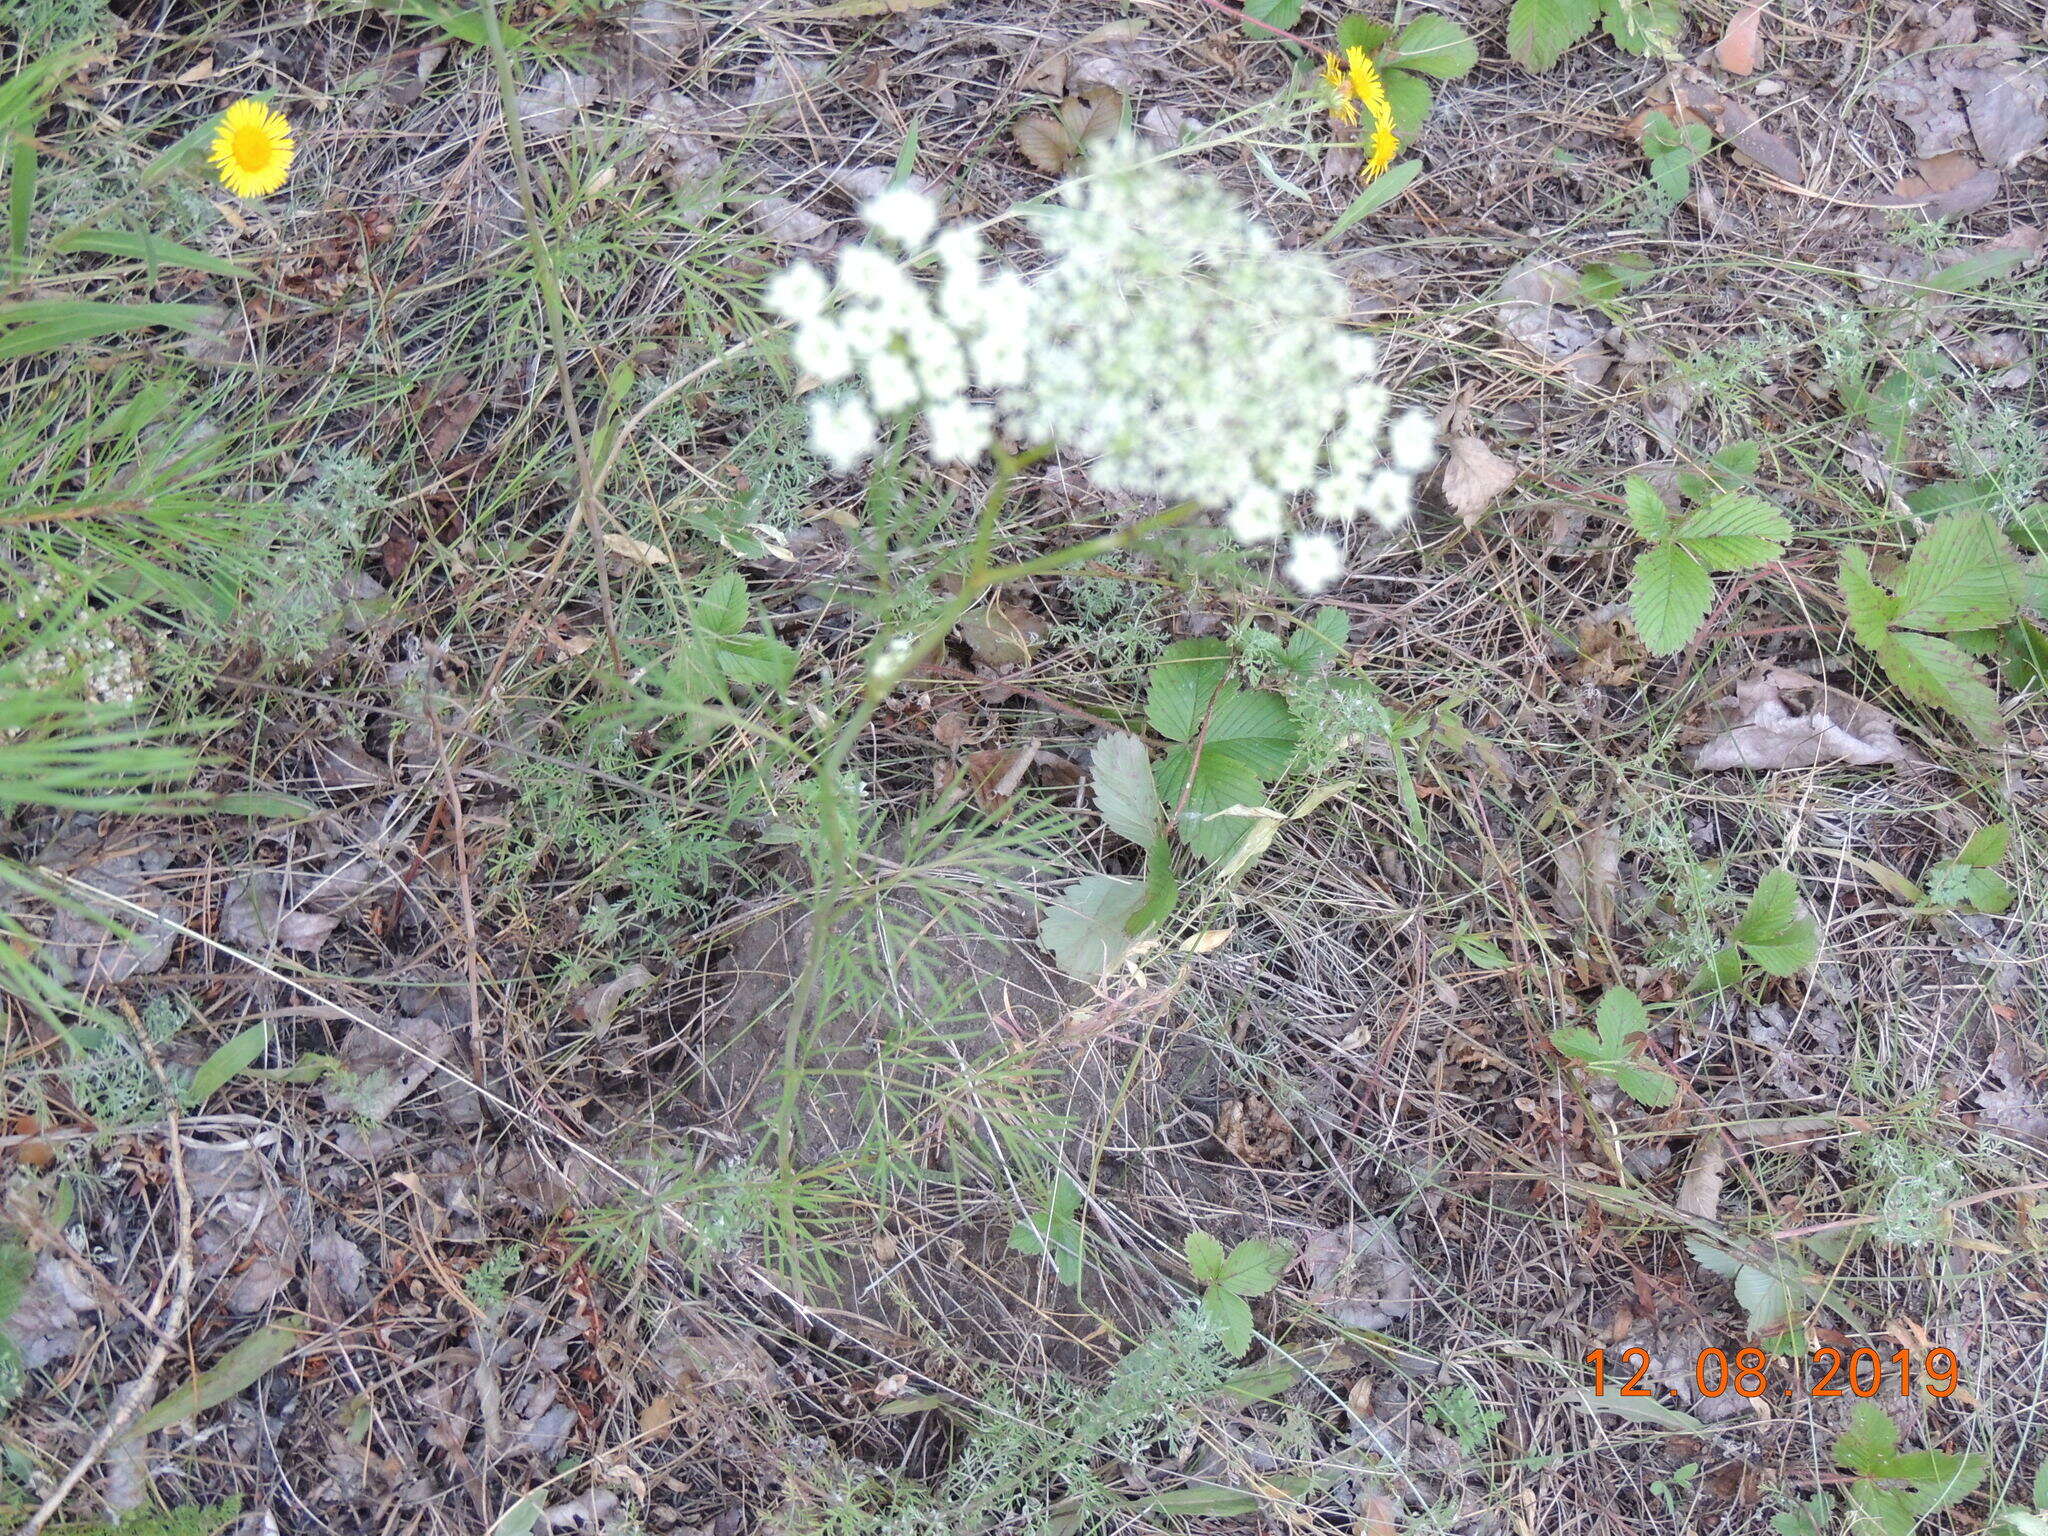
252,149
1341,105
1371,92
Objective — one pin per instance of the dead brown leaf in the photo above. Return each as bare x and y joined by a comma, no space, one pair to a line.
996,773
1359,1275
1588,876
1736,52
1001,634
1949,185
2007,109
1254,1131
1053,141
1474,476
1785,719
1534,311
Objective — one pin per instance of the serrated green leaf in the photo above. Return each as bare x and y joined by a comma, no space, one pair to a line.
1409,96
1255,728
755,660
1162,890
1647,1085
1275,13
1870,608
1319,641
2023,652
1773,907
1734,531
1232,1316
1722,971
1787,953
1935,673
1738,461
1221,781
1987,845
1710,1258
1869,1443
1961,575
1540,31
1205,1257
1184,681
722,609
1767,1299
1255,1266
1435,45
1670,596
1084,926
1120,771
1620,1015
1579,1043
1359,32
1648,512
1644,26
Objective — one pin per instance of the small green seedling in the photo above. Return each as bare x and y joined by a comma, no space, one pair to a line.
1774,935
1250,1269
1962,580
1612,1048
1970,882
1055,1232
1673,589
1673,149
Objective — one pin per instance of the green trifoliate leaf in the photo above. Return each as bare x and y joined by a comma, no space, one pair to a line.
1184,682
1647,512
1870,608
1539,31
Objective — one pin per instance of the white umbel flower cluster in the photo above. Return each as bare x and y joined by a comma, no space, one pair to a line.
1171,341
1197,361
899,342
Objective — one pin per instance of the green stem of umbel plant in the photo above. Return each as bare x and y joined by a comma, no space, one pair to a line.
980,579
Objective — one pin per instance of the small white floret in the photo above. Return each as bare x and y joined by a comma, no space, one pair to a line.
902,215
843,431
1314,562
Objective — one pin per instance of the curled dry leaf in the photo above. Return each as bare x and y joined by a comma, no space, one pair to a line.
1785,719
1053,141
636,550
1736,52
1359,1275
1474,476
1534,312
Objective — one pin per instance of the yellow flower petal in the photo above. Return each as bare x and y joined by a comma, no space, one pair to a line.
252,149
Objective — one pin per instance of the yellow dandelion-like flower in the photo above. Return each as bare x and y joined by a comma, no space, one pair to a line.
252,149
1342,107
1371,92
